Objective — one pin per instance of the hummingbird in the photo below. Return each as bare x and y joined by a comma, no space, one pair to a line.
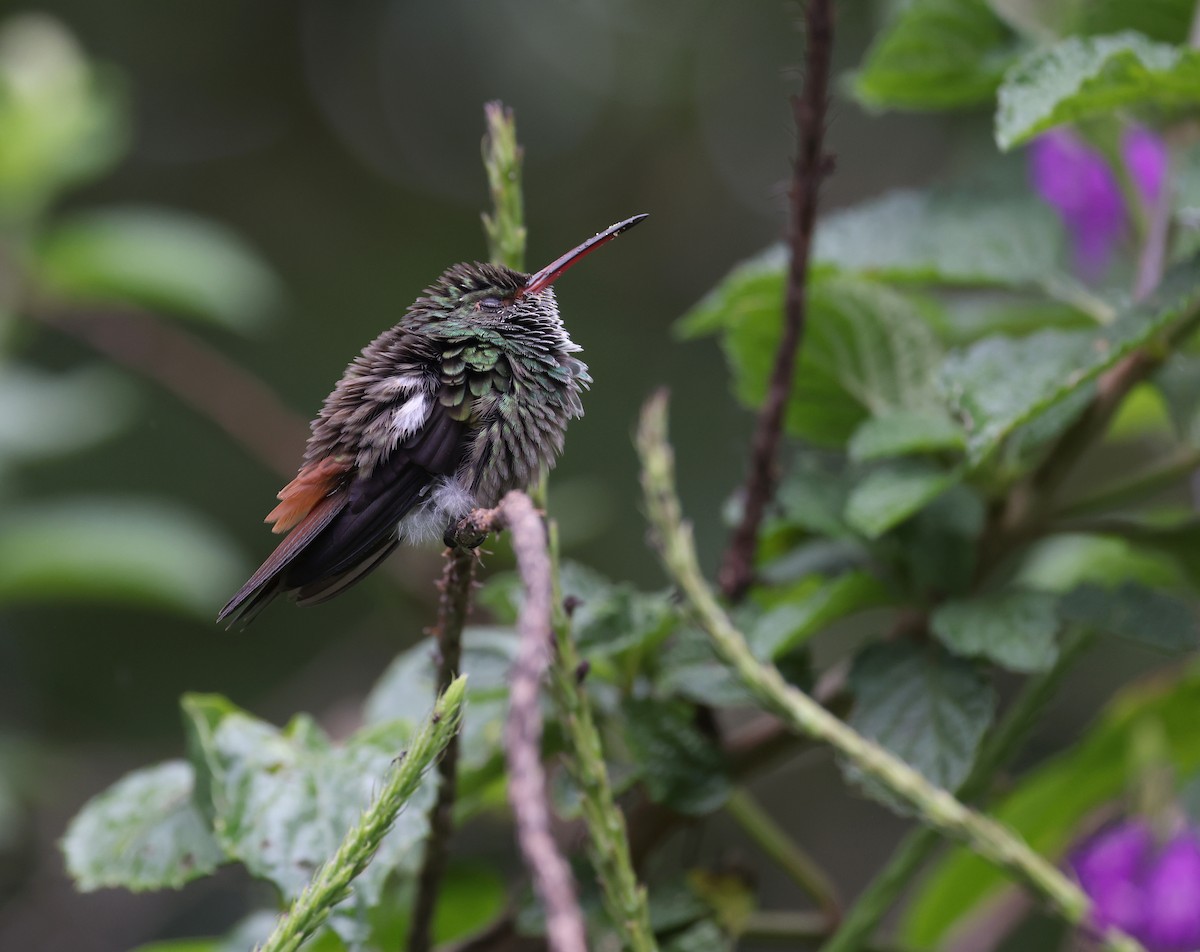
466,398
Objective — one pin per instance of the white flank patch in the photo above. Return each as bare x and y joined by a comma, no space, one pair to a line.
402,383
449,501
410,417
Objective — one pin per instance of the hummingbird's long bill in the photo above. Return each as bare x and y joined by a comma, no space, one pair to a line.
549,274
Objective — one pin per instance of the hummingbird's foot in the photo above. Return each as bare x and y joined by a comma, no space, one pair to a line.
471,531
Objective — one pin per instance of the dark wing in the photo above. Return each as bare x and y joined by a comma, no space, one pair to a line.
364,531
265,584
349,532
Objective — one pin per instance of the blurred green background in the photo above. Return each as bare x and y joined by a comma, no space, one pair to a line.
340,142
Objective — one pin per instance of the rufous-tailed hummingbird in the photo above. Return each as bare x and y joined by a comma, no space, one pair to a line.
466,398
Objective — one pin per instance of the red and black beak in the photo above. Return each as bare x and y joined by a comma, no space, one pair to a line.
549,274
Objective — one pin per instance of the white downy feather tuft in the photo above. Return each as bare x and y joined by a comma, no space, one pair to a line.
448,502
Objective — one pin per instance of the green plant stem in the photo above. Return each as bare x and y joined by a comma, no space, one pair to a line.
608,843
935,807
502,154
1001,745
332,882
773,840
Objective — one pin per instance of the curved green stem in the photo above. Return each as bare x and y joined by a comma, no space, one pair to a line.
875,901
332,882
936,807
608,843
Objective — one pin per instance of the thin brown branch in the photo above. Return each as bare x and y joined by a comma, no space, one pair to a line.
810,167
523,731
454,604
199,375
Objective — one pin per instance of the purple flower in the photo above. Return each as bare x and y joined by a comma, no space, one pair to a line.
1111,867
1173,897
1145,156
1076,182
1152,893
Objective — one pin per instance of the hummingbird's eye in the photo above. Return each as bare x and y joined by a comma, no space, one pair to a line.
491,304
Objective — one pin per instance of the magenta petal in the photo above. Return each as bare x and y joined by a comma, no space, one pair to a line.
1055,161
1076,182
1110,867
1172,896
1146,158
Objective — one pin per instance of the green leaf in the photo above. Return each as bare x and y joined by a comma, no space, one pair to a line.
812,494
923,705
144,832
936,54
675,903
163,260
115,550
752,289
624,620
282,800
1135,613
970,317
61,121
893,492
1029,443
1050,803
703,936
689,669
904,433
868,350
681,767
1166,20
939,543
607,618
809,607
1179,382
814,556
982,383
1168,537
973,235
1062,562
49,415
1082,77
1014,628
